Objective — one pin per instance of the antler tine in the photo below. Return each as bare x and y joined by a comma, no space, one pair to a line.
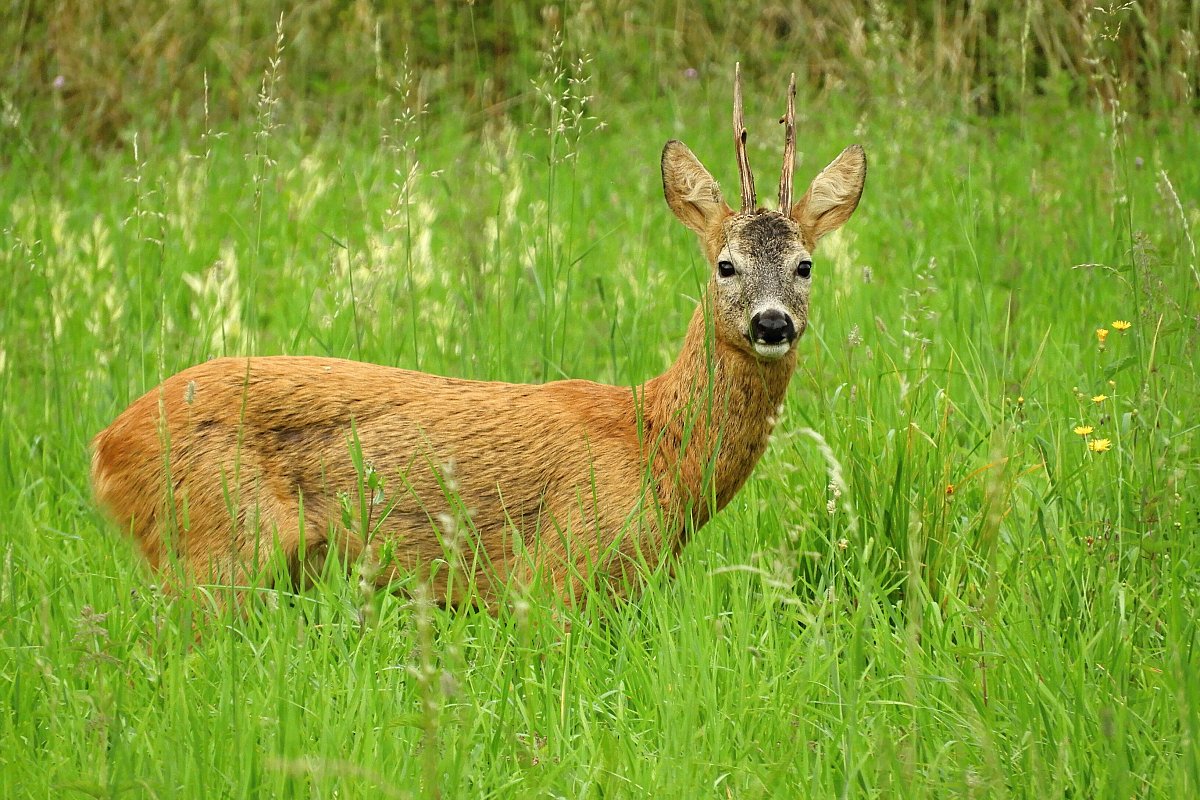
789,150
739,143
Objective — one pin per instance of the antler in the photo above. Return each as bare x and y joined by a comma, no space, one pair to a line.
789,150
739,143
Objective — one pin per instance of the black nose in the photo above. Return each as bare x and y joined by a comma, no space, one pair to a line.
772,327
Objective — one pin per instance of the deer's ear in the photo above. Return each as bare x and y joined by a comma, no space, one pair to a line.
833,195
691,191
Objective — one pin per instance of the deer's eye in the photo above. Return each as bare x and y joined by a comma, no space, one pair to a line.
804,269
725,269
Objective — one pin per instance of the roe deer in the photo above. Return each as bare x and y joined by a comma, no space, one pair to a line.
238,460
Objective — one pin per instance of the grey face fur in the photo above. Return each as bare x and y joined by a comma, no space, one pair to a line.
766,251
759,290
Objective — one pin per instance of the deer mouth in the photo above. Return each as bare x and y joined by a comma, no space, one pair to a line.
770,351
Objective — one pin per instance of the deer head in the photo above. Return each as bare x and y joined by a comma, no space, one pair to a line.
761,259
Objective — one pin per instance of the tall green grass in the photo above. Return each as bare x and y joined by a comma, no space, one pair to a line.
97,69
930,587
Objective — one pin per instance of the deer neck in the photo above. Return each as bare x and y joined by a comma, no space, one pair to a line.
708,419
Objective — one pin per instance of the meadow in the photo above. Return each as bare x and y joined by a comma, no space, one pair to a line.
967,565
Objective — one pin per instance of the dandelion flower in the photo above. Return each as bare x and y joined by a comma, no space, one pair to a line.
1084,430
1100,445
1101,334
1122,325
1100,398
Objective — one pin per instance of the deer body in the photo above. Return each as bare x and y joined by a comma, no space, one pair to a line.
238,460
586,474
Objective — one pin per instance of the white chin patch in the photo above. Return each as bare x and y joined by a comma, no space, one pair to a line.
772,351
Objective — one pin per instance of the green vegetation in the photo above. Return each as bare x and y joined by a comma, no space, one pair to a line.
932,586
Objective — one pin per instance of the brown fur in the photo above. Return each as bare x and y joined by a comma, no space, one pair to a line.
234,461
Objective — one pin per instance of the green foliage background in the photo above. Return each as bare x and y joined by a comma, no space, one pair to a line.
931,586
131,65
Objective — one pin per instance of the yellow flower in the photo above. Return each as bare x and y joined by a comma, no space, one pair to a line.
1099,445
1101,334
1100,398
1122,325
1084,430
